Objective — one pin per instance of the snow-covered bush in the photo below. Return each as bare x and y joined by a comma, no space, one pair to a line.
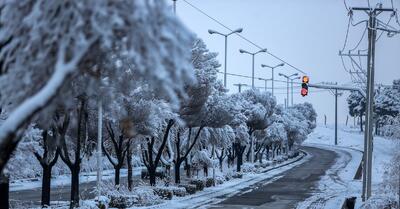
228,175
178,191
164,192
190,188
209,182
198,183
219,178
380,202
123,200
248,167
237,175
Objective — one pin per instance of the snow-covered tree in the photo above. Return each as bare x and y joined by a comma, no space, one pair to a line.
356,103
45,44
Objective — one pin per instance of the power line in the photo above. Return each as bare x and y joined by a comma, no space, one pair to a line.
258,78
244,38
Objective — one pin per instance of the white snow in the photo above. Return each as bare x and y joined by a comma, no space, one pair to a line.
338,183
64,180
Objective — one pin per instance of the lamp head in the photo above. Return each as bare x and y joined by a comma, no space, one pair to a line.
211,31
239,30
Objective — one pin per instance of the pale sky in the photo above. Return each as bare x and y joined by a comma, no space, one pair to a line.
307,34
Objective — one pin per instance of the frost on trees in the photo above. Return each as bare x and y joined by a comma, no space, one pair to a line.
44,44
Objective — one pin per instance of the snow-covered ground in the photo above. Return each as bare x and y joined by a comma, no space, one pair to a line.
64,180
339,182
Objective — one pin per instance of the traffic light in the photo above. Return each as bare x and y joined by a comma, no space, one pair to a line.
304,86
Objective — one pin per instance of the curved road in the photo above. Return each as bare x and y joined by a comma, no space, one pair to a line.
296,185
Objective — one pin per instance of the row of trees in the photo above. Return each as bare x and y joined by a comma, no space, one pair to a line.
160,102
386,109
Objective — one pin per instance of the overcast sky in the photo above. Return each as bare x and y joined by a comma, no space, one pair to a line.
308,34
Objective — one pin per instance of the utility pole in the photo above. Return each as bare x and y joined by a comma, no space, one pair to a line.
368,135
239,85
336,94
265,83
336,135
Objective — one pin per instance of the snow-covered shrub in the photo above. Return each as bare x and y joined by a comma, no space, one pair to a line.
123,200
164,192
248,167
228,175
190,188
102,202
293,154
219,179
380,202
391,131
210,182
279,159
237,175
139,196
178,191
199,184
146,196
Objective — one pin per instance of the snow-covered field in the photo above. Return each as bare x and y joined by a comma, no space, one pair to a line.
64,180
339,183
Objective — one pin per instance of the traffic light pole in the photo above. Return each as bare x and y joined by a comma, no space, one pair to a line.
336,132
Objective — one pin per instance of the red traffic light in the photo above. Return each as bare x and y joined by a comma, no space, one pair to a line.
304,92
304,86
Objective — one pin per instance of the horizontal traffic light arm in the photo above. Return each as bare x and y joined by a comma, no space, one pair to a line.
346,88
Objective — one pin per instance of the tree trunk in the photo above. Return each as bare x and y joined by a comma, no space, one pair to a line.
152,175
4,191
178,172
361,123
46,181
239,162
188,168
205,170
75,187
130,169
117,174
221,160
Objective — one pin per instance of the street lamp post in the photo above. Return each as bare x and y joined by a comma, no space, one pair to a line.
239,30
273,68
252,86
291,83
287,82
253,55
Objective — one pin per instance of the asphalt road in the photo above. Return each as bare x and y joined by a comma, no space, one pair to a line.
295,186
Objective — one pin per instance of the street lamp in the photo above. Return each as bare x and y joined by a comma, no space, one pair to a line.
291,83
239,30
252,54
287,77
272,68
